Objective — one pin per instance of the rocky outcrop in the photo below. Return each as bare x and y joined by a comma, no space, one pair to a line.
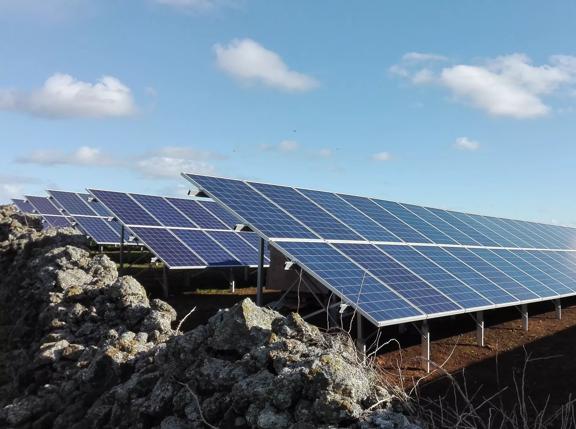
84,348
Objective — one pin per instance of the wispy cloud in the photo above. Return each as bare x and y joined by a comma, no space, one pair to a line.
252,64
13,186
382,156
509,85
464,143
63,96
284,146
169,162
196,5
83,156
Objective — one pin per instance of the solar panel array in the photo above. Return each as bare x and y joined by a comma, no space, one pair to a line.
50,213
183,233
88,215
399,262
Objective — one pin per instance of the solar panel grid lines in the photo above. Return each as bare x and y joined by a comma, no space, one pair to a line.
319,221
549,240
238,246
416,222
549,281
412,288
470,230
501,230
57,221
561,234
499,270
219,213
71,203
519,232
253,208
207,248
438,277
350,215
193,210
477,222
23,205
98,229
43,205
374,300
124,208
380,215
162,211
551,270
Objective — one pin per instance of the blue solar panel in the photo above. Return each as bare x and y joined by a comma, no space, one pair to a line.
72,203
353,284
544,279
515,273
23,205
125,208
542,271
398,278
163,211
542,239
253,240
351,216
384,218
43,205
460,221
307,212
197,213
253,207
221,214
235,244
172,251
57,221
438,277
416,222
474,278
98,229
206,247
95,205
479,224
499,228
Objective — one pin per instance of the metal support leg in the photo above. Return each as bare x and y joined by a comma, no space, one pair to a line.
360,343
402,329
246,273
165,285
260,280
232,281
524,311
425,344
480,328
558,307
121,249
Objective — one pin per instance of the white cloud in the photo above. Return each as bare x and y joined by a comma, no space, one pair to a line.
168,162
84,155
195,5
423,57
284,146
325,153
508,85
382,156
63,96
13,186
464,143
251,63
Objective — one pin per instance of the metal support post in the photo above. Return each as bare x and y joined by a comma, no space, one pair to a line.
558,307
165,285
260,279
360,343
524,311
246,273
121,249
480,328
232,281
402,329
425,345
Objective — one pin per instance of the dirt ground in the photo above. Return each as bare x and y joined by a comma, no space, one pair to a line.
548,349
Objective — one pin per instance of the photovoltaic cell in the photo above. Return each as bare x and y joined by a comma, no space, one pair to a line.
397,278
72,203
438,277
351,216
172,252
254,208
163,211
193,210
57,221
349,281
124,208
235,244
220,213
43,206
210,250
98,229
23,205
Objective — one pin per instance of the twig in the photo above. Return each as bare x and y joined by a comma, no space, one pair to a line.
197,404
184,319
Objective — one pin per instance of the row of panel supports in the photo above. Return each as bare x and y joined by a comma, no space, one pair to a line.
424,330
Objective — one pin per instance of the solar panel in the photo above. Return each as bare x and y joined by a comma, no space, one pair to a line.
23,205
93,219
51,214
183,233
429,262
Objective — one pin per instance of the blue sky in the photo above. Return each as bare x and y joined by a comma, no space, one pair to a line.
462,105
